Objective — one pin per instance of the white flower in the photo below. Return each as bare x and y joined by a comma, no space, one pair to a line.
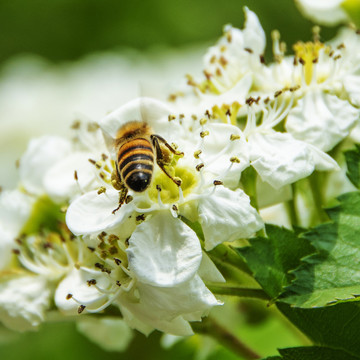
347,43
39,157
325,86
231,67
61,168
110,333
163,258
321,119
93,212
15,208
236,54
104,279
278,157
37,262
327,12
23,302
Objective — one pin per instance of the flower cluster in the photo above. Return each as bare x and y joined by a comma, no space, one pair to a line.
76,239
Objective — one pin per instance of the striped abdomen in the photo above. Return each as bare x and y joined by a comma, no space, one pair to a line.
136,163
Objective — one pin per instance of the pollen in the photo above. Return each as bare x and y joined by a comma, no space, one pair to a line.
197,154
307,53
169,190
234,137
101,190
204,133
199,166
235,159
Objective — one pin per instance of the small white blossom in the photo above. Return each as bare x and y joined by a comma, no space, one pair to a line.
236,54
110,333
15,208
323,80
231,68
327,12
60,168
39,157
278,157
23,302
321,119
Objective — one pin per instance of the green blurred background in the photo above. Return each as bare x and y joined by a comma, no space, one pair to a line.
62,30
68,30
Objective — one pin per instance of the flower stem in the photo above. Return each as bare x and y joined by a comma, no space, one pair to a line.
291,208
210,327
238,291
248,179
317,196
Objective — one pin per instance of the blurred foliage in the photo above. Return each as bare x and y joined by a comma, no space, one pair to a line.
62,30
265,335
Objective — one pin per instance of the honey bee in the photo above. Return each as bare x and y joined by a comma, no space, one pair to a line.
136,148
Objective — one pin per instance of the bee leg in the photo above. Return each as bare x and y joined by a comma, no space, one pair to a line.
115,210
159,138
122,198
160,158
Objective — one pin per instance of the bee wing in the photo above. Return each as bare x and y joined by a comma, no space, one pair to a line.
142,106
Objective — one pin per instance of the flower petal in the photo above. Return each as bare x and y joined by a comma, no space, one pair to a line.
93,213
23,302
227,215
40,155
154,112
280,159
352,86
321,160
218,149
163,251
75,283
164,308
254,35
15,208
139,318
208,271
322,120
326,12
111,334
60,182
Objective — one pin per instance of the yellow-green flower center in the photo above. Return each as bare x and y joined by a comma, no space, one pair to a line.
169,191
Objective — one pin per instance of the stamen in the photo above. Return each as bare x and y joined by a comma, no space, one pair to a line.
86,303
181,195
199,166
234,137
203,121
101,190
197,154
77,182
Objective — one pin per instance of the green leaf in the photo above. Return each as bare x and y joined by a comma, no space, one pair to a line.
270,259
333,273
352,158
315,353
334,326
